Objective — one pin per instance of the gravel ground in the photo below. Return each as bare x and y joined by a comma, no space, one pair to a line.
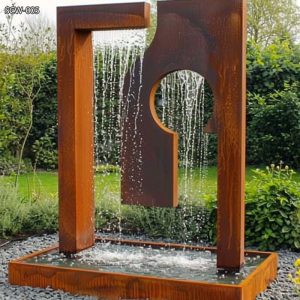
282,288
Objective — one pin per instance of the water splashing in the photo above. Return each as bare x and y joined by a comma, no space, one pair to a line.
162,262
180,104
182,109
115,54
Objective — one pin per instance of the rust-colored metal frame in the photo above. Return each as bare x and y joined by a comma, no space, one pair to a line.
115,286
207,39
75,105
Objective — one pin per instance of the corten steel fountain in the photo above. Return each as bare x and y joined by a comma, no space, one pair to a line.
207,38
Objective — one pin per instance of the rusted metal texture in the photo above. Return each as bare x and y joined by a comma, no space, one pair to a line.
75,106
115,286
210,39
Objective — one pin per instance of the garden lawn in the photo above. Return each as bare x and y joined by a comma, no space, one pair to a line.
45,184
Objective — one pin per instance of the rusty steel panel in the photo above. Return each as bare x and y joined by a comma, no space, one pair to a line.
114,286
75,112
210,40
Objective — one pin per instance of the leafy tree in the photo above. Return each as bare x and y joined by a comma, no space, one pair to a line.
269,20
13,116
45,109
23,62
29,85
40,34
274,127
269,68
35,35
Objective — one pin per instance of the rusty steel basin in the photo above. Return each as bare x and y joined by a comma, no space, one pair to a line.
117,285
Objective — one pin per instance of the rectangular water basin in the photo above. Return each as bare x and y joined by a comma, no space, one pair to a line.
125,269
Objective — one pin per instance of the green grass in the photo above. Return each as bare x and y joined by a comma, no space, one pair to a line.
33,208
46,183
106,185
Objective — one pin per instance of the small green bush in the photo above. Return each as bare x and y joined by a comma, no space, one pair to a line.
42,217
188,223
107,215
185,223
12,211
273,210
9,165
20,215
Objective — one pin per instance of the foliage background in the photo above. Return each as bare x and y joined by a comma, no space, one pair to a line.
28,63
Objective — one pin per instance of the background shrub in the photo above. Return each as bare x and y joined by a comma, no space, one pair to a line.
45,151
12,211
42,217
15,116
273,73
9,165
45,112
190,223
270,68
273,210
20,215
274,127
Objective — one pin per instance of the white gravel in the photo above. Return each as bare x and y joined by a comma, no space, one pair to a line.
16,250
282,288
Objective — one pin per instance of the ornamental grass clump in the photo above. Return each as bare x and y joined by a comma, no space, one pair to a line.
20,215
273,209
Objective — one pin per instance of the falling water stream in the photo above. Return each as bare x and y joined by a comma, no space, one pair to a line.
180,105
115,54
